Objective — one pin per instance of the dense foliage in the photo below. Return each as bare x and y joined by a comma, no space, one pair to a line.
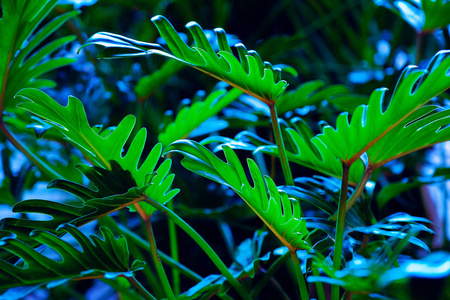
299,178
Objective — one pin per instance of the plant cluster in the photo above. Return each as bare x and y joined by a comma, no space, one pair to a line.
282,190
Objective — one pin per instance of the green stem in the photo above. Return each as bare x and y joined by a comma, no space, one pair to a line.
203,244
300,278
43,167
174,252
166,259
138,286
358,191
319,286
154,252
340,225
269,274
280,144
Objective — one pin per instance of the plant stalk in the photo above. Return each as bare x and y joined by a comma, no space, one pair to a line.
280,144
358,191
203,245
154,252
299,274
174,252
340,226
42,166
138,286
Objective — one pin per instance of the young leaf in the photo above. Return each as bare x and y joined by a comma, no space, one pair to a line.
248,73
191,117
106,256
72,122
280,213
370,125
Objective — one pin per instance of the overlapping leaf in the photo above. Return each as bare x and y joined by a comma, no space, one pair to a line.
248,73
191,117
20,63
112,190
377,131
106,256
72,122
280,213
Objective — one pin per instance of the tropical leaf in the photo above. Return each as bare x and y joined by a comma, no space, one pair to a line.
247,73
189,118
104,257
301,148
377,131
280,213
20,63
72,122
112,190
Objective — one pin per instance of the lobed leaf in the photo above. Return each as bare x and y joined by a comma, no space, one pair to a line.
189,118
247,73
279,212
72,122
375,130
106,257
20,63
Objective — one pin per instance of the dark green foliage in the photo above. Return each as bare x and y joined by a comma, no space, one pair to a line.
312,144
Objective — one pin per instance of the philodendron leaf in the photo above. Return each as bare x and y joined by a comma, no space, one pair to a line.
279,212
247,73
72,122
246,261
189,118
104,257
20,63
113,190
405,126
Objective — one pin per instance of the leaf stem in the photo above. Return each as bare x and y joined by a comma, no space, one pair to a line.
340,225
299,274
154,252
358,191
203,245
42,166
268,275
174,252
138,286
280,144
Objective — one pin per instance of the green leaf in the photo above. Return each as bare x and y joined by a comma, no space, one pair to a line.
405,126
424,15
106,257
72,122
247,73
112,191
191,117
20,63
280,213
